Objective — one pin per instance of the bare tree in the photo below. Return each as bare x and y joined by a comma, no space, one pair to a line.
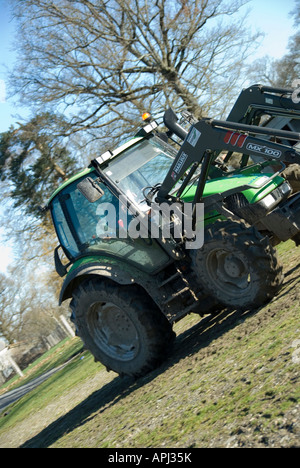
28,304
13,308
103,62
6,319
284,71
288,68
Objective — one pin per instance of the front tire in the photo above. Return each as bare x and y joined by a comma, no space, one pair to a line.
121,326
237,265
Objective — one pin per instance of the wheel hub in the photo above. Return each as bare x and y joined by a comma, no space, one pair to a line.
233,266
228,271
113,331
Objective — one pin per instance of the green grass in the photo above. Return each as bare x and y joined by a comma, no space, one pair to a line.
80,368
56,356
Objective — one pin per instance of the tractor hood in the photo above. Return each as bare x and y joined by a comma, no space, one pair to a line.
258,184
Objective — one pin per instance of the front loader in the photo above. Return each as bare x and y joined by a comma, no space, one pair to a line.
129,226
264,106
268,106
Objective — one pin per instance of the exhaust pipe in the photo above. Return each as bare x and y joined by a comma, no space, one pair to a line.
171,122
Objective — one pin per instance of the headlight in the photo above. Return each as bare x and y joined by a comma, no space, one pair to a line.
285,188
269,201
274,198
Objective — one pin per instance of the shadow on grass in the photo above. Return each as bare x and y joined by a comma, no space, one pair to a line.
187,343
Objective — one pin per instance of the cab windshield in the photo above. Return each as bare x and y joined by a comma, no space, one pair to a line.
143,165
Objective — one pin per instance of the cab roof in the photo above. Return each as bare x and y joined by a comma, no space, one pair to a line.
102,159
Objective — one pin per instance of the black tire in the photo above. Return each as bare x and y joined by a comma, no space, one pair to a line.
237,265
121,326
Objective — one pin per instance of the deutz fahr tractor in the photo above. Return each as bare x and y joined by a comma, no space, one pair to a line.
183,218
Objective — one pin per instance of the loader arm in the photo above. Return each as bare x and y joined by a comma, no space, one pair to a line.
209,137
278,106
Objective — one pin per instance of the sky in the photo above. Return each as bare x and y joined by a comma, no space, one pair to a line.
268,16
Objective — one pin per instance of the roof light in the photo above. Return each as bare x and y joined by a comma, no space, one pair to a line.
146,116
104,157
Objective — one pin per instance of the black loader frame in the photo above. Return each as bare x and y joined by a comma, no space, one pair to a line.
276,106
207,138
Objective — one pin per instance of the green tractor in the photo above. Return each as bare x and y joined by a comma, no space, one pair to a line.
149,233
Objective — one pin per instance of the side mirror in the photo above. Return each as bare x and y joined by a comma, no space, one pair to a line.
89,188
60,268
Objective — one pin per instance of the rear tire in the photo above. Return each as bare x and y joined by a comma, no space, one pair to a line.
237,265
121,326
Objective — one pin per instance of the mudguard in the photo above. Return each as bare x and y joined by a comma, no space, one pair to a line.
120,273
